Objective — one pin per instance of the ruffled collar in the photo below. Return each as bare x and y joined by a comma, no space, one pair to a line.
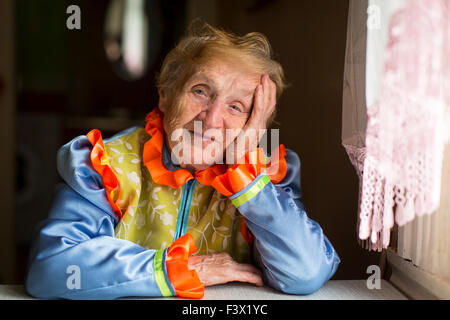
153,158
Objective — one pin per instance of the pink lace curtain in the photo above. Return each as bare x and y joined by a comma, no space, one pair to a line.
396,110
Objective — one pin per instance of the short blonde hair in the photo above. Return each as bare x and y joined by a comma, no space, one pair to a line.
203,42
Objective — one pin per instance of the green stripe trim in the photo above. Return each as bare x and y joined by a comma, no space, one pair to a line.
253,191
159,274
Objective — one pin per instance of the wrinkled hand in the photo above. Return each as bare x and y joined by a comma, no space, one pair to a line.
219,268
263,108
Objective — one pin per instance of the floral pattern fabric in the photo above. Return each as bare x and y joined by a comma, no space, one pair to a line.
150,210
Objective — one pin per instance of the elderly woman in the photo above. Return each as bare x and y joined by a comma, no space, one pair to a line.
135,208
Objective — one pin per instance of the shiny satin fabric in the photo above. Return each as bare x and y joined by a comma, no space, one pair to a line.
100,162
291,249
80,232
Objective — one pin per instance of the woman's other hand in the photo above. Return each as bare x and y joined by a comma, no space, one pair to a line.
219,268
263,107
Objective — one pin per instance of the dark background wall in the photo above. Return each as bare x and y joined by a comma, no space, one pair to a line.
66,86
308,38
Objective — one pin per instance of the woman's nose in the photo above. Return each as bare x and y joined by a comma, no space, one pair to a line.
214,115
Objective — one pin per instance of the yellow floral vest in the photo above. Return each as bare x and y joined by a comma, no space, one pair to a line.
155,215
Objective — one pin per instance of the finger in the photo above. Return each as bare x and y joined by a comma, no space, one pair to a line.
273,94
244,276
248,268
266,91
271,90
223,258
258,107
265,105
259,98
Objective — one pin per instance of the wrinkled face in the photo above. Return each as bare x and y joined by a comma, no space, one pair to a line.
214,104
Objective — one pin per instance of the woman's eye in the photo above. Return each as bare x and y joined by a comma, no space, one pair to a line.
199,92
234,107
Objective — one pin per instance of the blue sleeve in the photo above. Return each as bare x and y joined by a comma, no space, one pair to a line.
74,253
292,250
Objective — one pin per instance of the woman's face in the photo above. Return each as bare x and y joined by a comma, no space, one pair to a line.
214,104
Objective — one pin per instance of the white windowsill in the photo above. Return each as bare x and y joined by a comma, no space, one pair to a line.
415,282
332,290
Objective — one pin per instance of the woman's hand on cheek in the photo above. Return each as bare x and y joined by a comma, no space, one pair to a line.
263,107
219,268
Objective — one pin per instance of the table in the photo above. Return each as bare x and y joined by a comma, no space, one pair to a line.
332,290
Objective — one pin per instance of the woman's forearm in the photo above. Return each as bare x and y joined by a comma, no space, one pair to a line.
76,256
295,255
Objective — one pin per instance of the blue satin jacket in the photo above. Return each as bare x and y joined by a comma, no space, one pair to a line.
292,251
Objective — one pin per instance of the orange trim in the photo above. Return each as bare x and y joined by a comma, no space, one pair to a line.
153,158
100,163
241,175
185,281
207,176
226,181
277,167
152,154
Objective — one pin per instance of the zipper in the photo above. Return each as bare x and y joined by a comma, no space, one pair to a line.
185,206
